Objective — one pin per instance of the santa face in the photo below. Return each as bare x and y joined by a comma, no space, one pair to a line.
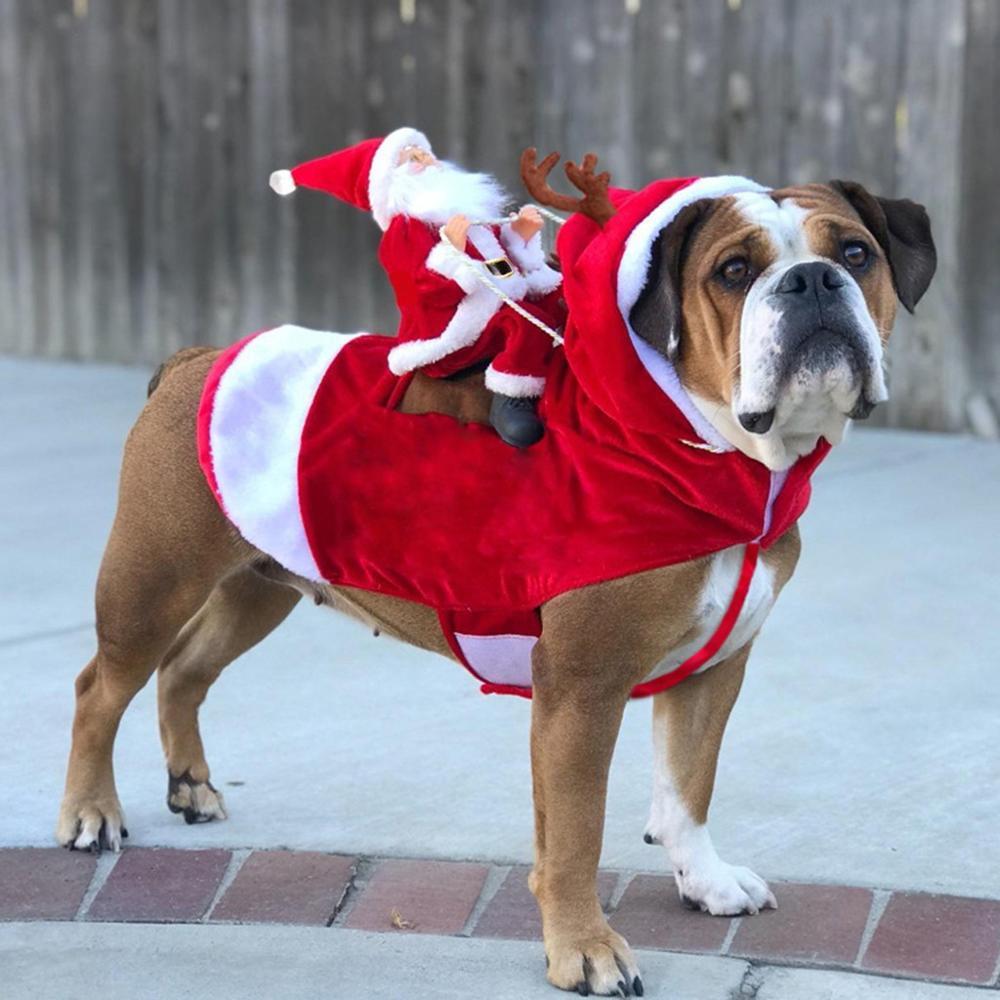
433,191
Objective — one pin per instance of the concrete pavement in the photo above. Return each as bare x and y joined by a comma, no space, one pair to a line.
51,962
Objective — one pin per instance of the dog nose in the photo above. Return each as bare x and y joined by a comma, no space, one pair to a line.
757,423
816,276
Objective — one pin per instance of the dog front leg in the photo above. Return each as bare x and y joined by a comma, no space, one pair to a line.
575,719
688,724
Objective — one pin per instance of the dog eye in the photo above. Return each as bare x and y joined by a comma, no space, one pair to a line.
735,271
856,254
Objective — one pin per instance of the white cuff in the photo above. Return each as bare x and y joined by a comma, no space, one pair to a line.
449,263
530,259
506,384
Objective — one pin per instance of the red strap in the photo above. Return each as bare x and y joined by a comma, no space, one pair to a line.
658,684
719,636
522,692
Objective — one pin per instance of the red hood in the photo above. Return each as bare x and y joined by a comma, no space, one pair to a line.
604,270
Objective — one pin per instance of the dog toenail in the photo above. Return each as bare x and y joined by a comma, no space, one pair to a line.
637,987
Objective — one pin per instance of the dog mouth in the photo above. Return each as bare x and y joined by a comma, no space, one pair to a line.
824,362
825,350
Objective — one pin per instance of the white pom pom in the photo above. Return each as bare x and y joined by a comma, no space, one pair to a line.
282,182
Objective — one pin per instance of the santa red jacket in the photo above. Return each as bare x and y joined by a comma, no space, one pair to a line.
302,446
443,307
448,318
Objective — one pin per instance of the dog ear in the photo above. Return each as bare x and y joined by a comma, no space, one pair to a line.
656,315
903,230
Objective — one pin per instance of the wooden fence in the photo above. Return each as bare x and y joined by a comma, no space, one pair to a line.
136,138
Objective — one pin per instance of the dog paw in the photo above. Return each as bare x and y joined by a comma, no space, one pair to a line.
724,890
95,826
199,801
599,964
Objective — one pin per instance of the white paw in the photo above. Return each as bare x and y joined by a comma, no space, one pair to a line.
723,890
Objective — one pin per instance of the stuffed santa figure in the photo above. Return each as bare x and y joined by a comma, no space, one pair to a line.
450,318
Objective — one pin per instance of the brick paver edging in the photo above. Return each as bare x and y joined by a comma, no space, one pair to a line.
909,934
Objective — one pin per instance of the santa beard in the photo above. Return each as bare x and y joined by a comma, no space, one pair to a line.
437,192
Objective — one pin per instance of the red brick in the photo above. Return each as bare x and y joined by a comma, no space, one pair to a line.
160,885
813,923
651,915
432,897
513,912
938,937
38,883
286,887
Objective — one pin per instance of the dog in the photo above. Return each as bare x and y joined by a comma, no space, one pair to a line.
773,308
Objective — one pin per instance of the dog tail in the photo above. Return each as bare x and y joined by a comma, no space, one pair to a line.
175,361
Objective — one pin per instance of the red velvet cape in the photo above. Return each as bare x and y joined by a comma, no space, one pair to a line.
427,509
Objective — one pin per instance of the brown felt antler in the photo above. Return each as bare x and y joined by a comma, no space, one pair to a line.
595,202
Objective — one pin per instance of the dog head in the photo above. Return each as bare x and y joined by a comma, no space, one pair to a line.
775,308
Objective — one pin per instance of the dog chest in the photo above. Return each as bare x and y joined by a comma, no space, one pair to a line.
715,598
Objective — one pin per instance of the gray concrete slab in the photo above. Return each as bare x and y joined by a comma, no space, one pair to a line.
863,749
157,962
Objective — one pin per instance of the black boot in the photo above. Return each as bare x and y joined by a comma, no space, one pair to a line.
515,420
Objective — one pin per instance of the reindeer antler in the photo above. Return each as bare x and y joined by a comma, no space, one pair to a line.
595,203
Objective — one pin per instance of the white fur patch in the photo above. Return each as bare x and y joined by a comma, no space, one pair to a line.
702,877
258,414
715,600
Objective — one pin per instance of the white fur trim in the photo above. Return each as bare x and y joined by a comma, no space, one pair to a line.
384,162
527,386
530,259
441,260
542,280
464,328
258,414
528,256
282,182
632,273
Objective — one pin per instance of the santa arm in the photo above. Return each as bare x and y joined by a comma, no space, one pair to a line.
443,291
530,260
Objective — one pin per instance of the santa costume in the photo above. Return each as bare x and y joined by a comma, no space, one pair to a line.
303,447
450,319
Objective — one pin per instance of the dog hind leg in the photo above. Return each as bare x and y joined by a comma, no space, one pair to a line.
138,618
243,608
169,546
688,724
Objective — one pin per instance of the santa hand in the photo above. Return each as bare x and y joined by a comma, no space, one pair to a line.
457,229
528,223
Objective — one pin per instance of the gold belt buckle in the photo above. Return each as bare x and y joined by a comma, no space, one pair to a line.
499,267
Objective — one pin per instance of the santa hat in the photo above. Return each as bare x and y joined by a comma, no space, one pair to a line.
604,272
361,175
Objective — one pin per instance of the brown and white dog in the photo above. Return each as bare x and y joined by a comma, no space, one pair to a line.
776,308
